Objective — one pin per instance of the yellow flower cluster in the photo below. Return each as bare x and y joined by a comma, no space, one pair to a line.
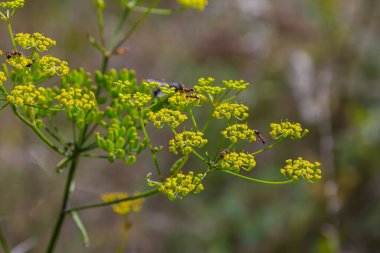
150,85
300,168
228,110
235,161
28,95
140,99
181,185
287,129
123,207
171,117
12,4
236,85
1,52
239,132
186,142
122,86
205,86
195,4
35,40
76,97
52,66
2,78
181,101
206,81
19,62
167,90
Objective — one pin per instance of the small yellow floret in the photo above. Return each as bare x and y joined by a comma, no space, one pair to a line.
122,207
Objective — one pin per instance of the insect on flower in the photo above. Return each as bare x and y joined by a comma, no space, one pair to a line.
223,153
12,53
30,64
260,136
177,85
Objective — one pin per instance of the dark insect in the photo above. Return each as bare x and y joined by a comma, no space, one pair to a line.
12,53
177,85
223,153
192,96
260,136
30,64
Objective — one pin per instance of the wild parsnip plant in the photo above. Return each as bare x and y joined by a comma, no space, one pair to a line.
109,111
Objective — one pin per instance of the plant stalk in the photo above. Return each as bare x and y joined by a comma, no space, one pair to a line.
65,201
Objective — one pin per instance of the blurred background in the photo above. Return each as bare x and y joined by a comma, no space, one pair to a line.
316,62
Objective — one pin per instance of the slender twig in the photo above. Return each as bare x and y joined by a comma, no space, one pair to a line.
269,147
3,243
139,196
11,34
135,25
153,153
65,201
258,180
93,155
37,131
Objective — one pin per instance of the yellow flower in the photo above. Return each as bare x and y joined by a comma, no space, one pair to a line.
235,161
236,85
195,4
52,66
12,4
2,78
35,40
19,62
186,142
228,110
296,169
180,185
76,97
124,207
205,86
168,116
287,129
239,132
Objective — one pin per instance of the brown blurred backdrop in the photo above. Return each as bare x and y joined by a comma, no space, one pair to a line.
314,61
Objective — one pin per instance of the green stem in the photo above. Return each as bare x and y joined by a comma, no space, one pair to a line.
199,156
154,157
11,35
65,201
4,243
101,27
135,25
269,147
116,34
207,122
139,196
193,119
153,11
258,180
37,131
94,156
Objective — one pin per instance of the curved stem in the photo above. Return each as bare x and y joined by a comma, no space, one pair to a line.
11,35
268,147
139,196
154,157
199,156
193,119
37,131
3,243
116,34
258,180
65,201
135,25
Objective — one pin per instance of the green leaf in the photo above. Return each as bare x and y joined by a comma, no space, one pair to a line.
79,224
